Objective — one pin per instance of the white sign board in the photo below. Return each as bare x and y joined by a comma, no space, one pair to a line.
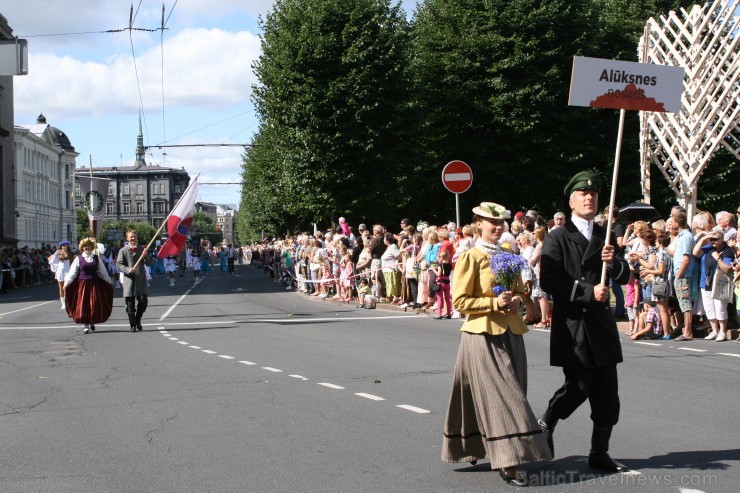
13,57
600,83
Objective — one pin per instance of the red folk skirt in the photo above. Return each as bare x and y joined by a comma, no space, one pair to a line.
89,301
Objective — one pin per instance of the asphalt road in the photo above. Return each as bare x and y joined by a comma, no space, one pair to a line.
239,385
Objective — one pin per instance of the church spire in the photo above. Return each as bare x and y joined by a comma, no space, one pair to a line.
140,147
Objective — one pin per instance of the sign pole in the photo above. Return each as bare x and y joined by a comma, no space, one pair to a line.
613,197
457,209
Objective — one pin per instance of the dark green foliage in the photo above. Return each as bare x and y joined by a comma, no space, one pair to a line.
360,111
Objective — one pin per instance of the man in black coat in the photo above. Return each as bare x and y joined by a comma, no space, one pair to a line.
584,339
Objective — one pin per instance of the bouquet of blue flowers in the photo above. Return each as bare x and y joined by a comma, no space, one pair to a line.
507,267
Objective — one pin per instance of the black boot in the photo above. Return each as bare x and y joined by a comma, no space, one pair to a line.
599,457
547,423
132,321
139,314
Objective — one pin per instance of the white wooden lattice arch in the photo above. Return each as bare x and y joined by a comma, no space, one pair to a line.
706,42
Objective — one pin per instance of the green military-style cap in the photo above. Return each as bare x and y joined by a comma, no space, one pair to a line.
585,180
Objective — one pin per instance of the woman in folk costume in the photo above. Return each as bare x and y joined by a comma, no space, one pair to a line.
488,414
88,288
59,263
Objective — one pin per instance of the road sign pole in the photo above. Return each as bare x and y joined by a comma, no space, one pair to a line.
457,209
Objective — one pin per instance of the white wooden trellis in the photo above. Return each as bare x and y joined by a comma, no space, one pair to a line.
705,41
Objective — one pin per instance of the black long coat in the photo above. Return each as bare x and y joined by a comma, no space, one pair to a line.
584,332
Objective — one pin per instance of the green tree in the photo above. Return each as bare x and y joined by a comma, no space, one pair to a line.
145,231
83,224
204,227
333,103
491,79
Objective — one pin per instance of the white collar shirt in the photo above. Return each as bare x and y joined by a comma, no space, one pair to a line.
585,226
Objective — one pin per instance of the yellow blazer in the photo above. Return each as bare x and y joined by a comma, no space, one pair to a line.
472,294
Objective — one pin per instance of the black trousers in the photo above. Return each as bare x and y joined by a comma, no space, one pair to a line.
230,262
598,385
133,309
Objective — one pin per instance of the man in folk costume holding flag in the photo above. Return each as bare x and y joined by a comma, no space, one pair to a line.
131,261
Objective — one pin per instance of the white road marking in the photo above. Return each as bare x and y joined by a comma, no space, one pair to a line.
174,339
331,386
648,343
28,308
414,409
169,310
689,490
195,347
274,370
369,396
208,351
183,343
632,472
541,330
161,329
730,354
249,363
299,377
225,356
692,349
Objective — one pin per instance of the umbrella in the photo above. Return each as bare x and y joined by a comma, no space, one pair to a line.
637,211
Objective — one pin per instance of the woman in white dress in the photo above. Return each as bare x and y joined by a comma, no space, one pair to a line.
59,264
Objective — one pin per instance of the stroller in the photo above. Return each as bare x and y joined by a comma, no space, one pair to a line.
288,279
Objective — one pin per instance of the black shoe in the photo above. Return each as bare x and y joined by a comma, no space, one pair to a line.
602,460
438,318
133,328
547,424
92,327
512,480
139,327
448,317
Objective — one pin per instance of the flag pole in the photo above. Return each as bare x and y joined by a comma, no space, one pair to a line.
164,223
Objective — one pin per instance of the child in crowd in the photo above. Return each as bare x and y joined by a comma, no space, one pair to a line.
367,300
651,323
347,268
631,305
326,276
443,270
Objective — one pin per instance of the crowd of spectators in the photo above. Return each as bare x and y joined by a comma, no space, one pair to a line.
676,266
25,267
686,274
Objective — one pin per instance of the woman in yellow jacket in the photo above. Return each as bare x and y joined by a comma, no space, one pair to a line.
488,415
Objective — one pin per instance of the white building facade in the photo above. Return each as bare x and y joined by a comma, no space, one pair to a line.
44,168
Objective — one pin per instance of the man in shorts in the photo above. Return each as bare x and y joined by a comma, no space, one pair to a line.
683,269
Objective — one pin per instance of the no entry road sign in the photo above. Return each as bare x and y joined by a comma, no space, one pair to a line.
457,176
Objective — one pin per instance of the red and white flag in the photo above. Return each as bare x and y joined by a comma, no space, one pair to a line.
178,222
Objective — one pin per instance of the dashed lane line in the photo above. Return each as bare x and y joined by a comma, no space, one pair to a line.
208,351
730,354
224,356
414,409
299,377
369,396
692,349
248,363
195,347
274,370
331,386
647,343
183,343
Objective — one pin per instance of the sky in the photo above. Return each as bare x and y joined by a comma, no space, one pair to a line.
193,81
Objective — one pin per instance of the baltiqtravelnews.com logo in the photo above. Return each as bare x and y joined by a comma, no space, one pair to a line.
94,201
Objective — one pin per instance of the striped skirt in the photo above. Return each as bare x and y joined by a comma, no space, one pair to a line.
488,415
89,301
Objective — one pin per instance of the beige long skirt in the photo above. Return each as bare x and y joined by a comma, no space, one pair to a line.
488,415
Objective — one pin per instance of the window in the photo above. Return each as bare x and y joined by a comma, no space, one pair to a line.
139,189
177,189
127,208
111,189
139,207
110,208
158,207
126,189
77,191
